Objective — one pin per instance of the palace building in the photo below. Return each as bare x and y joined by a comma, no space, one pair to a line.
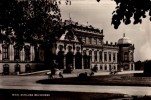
79,46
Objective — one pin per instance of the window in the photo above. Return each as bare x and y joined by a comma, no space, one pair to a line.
99,41
105,67
109,56
27,53
100,53
95,55
100,67
84,39
95,41
131,56
105,56
89,40
114,67
114,55
90,54
125,56
16,53
110,67
5,52
17,68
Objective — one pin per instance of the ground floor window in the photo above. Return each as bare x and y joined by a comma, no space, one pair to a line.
17,68
27,68
105,67
5,69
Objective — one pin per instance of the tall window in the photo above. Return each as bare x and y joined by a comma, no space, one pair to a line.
131,56
95,55
114,55
105,56
27,53
109,56
5,52
110,67
16,53
90,54
95,41
84,39
125,56
89,40
99,41
105,67
100,53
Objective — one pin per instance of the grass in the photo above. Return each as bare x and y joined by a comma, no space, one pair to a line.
116,80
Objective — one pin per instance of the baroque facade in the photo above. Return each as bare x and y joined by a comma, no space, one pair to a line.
82,47
79,46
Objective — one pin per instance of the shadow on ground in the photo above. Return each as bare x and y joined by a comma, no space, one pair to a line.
115,80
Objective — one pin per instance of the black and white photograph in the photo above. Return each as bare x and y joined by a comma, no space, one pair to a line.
75,49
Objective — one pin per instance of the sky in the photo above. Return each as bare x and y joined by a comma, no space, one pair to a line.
99,15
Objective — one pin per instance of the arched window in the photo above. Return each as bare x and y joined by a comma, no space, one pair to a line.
17,53
109,56
105,67
95,55
60,47
131,56
27,68
90,54
5,69
125,56
5,52
114,56
89,40
105,56
110,67
100,67
69,48
100,53
27,52
17,68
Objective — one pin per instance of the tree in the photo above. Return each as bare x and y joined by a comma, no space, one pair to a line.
42,25
127,9
10,19
34,21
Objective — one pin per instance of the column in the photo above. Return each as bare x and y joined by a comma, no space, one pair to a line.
11,52
82,63
64,61
23,54
73,61
1,52
102,56
107,56
133,66
98,56
31,53
92,56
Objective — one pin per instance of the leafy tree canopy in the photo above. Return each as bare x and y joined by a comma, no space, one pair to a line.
29,20
127,9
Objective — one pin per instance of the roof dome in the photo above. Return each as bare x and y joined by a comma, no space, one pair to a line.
124,40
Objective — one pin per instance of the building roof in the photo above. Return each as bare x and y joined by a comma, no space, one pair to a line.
124,40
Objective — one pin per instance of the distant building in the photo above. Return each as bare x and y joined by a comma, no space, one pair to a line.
126,54
79,46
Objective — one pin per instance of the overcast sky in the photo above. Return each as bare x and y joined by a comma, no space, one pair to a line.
99,15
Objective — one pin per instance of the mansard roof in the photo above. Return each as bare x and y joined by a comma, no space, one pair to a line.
83,28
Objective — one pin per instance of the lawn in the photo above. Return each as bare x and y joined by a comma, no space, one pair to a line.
116,80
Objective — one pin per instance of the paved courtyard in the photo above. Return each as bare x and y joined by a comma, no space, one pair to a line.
29,82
